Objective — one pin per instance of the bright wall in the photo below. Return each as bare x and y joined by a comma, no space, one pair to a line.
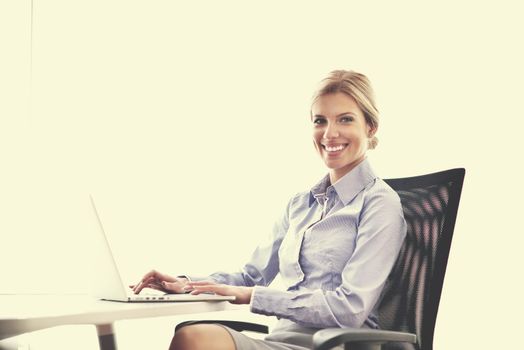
188,122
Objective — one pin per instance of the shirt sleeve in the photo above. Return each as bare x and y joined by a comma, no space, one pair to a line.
381,231
262,267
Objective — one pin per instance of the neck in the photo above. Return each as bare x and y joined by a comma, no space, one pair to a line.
337,174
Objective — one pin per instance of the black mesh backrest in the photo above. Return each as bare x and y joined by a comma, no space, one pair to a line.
410,299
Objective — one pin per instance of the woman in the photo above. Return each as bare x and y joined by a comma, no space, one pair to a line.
334,245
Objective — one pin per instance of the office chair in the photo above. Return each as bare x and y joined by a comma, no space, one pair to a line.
408,307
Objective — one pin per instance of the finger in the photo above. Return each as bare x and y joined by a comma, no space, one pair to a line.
161,276
211,288
156,287
138,287
152,275
143,284
149,275
201,283
146,276
132,286
202,287
189,288
200,291
155,283
174,287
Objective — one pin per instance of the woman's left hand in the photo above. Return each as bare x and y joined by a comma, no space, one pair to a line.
242,294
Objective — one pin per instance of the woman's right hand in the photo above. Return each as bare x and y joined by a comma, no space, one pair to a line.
162,282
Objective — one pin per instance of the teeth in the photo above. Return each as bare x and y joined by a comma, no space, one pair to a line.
335,149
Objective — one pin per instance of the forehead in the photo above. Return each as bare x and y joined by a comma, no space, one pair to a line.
335,104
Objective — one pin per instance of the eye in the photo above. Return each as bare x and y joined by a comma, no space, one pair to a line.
346,119
319,120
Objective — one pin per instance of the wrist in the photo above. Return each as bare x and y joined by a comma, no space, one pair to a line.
250,295
185,278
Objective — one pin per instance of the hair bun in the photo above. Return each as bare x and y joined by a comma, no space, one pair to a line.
373,142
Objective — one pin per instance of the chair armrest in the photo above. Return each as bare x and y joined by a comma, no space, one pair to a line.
366,338
238,326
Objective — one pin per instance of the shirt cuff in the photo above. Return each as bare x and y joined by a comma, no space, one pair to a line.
270,302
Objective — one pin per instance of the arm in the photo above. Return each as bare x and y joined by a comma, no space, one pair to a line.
381,231
260,270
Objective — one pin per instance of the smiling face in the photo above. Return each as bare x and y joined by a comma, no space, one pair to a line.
340,133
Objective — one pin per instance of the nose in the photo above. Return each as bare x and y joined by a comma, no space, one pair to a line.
331,131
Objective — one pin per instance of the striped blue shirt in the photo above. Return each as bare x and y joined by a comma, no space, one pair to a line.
334,247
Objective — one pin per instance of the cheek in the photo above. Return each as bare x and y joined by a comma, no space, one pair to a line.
315,144
357,136
317,136
315,140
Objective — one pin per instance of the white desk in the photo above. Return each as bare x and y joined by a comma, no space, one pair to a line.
26,313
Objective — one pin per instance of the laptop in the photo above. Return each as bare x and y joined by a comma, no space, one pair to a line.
107,281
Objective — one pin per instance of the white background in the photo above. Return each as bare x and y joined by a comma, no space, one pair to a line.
189,124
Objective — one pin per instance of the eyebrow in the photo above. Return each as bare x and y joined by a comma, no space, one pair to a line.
339,115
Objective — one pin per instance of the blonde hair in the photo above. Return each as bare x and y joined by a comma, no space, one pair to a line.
358,87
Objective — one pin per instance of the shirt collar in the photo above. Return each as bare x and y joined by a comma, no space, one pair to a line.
348,186
318,192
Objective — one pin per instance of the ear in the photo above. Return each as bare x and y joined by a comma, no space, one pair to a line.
371,131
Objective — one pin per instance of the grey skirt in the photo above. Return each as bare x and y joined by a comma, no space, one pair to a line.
285,338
